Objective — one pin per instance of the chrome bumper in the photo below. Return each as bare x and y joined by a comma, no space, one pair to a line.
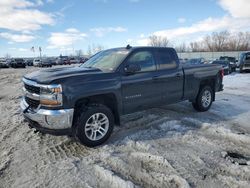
245,67
51,119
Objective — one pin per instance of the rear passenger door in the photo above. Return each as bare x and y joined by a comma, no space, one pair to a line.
169,75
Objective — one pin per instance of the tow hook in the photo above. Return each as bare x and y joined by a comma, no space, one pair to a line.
35,131
26,109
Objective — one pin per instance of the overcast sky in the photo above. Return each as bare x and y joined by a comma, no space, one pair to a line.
62,26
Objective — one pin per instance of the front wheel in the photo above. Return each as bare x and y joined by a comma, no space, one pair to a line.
204,99
94,124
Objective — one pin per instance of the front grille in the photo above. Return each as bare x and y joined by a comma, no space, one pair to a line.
32,89
32,103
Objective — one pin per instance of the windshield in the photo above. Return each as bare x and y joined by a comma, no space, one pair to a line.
107,60
231,59
19,60
219,63
194,61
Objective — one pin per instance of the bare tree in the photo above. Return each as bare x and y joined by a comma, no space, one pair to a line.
217,41
181,47
197,47
97,48
241,40
222,41
89,51
79,53
94,48
158,41
7,56
207,41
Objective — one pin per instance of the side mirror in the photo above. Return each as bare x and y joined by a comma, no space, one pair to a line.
132,68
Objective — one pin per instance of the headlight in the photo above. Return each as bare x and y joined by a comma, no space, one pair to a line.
51,95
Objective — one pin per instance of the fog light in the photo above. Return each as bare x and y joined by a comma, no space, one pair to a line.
57,122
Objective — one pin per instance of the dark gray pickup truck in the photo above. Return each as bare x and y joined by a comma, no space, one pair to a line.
87,101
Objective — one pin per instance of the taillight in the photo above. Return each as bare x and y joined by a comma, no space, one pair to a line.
222,73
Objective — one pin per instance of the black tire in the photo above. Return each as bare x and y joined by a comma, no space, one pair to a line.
198,104
241,70
84,114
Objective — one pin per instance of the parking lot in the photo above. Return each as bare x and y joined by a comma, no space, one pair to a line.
170,146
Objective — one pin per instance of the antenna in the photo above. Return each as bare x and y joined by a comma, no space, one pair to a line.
128,47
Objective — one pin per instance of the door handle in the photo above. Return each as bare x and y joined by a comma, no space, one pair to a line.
155,77
178,75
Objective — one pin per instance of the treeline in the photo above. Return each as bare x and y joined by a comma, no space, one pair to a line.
215,42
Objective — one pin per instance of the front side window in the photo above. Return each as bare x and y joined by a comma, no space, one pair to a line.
144,59
166,59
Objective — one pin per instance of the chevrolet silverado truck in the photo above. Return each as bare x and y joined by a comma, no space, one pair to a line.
87,101
244,63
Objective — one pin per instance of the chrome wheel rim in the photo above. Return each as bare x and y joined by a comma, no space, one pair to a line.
206,98
96,126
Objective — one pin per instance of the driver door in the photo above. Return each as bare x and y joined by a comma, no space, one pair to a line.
139,90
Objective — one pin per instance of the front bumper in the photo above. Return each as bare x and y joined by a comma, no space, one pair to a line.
246,67
226,71
56,122
19,65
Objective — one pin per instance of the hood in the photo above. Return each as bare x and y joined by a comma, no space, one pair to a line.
47,76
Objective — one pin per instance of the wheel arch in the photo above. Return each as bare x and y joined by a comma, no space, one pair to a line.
208,82
108,99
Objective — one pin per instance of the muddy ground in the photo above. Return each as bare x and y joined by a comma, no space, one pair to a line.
170,146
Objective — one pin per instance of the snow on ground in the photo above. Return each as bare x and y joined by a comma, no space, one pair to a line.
169,146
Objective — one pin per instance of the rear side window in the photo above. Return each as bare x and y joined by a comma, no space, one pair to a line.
144,59
166,59
247,56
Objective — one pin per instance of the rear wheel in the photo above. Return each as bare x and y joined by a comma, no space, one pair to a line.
204,99
241,69
94,124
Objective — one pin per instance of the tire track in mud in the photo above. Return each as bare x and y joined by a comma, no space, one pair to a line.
154,126
143,126
68,149
143,169
189,166
209,167
195,165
